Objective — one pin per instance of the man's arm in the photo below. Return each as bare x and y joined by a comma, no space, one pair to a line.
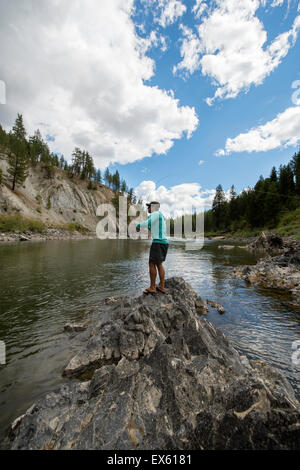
147,223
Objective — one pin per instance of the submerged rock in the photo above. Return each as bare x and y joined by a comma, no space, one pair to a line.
161,377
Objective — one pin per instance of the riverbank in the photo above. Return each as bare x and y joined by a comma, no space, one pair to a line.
47,234
158,375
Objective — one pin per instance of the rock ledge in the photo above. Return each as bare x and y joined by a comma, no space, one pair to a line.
160,376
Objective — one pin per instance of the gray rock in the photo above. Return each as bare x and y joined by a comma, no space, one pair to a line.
266,242
71,327
23,238
278,272
161,377
219,307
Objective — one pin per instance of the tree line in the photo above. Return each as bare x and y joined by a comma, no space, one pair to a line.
257,207
23,152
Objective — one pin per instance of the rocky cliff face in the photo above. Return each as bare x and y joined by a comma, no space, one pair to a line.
157,375
54,201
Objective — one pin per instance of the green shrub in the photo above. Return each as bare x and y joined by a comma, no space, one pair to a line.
1,175
48,203
72,226
38,197
38,209
11,223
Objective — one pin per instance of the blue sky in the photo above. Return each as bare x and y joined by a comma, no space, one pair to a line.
153,87
227,118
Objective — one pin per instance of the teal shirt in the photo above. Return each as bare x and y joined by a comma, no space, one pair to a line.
156,223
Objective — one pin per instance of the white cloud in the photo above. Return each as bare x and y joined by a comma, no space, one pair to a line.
230,47
170,11
176,199
277,3
153,40
284,130
199,8
200,162
82,70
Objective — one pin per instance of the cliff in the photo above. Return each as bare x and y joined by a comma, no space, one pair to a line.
55,201
155,374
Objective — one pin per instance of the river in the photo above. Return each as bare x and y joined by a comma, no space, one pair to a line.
44,285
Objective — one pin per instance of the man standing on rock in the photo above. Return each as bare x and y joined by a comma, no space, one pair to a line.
156,223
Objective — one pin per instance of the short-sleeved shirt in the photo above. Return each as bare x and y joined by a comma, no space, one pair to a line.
156,223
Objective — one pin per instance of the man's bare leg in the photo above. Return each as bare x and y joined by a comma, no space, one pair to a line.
152,272
161,272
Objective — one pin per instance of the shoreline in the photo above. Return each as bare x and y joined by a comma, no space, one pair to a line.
49,234
64,234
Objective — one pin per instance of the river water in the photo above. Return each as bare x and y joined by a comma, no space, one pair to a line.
44,285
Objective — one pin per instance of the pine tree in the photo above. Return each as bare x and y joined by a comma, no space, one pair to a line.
273,175
123,187
3,137
36,147
107,177
17,154
18,129
77,161
61,162
219,206
98,177
296,171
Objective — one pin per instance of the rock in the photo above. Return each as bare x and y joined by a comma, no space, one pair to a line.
70,327
226,247
278,272
219,307
266,242
161,377
23,238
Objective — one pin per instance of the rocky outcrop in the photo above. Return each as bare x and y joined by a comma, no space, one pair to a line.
278,272
267,243
273,243
156,375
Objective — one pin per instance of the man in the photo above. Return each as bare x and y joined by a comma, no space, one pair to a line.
156,223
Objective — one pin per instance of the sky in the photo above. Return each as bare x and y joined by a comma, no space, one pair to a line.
178,95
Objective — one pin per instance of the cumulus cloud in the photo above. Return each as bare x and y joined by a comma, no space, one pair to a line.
177,199
229,46
284,130
81,69
200,162
170,11
199,7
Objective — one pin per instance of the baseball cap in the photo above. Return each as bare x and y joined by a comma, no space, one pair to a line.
154,203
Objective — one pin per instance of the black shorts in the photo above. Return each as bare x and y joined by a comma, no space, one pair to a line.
158,252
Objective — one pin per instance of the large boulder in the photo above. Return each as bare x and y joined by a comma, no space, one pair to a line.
156,375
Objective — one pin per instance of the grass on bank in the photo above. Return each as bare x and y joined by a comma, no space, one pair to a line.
15,222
